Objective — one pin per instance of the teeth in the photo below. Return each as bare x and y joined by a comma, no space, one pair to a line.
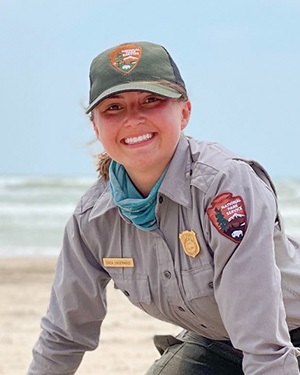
141,138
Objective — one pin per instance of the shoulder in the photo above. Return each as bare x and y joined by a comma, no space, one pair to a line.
211,154
211,161
214,162
91,196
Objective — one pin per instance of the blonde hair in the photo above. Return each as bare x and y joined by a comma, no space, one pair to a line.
104,160
102,166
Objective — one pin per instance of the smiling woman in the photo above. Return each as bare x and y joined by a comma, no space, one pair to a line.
187,230
104,159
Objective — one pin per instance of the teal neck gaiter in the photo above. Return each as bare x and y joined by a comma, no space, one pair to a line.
139,210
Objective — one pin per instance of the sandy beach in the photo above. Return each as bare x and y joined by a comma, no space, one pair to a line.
126,341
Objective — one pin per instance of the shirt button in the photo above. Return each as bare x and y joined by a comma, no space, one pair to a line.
161,199
127,294
211,284
181,309
167,274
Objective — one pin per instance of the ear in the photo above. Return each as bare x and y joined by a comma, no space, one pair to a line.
186,113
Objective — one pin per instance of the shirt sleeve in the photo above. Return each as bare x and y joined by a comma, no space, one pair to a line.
76,310
241,215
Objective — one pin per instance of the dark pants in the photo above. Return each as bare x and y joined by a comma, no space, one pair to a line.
190,354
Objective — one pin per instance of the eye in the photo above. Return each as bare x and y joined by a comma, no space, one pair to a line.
113,107
153,99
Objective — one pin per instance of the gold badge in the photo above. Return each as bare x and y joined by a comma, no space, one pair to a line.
118,262
189,242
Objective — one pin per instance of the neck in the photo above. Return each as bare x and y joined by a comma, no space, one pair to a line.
144,182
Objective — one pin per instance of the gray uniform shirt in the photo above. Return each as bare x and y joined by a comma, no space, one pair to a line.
233,274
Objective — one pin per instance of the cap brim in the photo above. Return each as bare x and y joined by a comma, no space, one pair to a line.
159,89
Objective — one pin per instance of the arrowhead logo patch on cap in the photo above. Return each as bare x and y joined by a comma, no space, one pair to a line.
228,214
125,57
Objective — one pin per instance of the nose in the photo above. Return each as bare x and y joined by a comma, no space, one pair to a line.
133,117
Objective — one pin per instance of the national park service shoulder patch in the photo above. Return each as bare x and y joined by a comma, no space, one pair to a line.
125,58
228,214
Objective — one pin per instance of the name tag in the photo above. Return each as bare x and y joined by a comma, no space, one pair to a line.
118,262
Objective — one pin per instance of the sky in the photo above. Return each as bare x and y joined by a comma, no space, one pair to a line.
240,60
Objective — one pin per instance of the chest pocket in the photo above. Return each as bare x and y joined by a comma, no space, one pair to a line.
198,282
199,295
135,287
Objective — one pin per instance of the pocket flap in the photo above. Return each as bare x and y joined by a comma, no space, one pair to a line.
135,287
198,282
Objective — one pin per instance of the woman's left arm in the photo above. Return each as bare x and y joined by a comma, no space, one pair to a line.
241,215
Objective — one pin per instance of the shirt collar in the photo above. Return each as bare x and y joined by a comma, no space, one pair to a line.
103,204
176,184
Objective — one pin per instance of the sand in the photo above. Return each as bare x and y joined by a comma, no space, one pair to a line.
126,340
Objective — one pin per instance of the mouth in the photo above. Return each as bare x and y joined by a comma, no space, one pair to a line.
139,139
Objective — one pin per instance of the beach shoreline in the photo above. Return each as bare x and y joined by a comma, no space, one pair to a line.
126,339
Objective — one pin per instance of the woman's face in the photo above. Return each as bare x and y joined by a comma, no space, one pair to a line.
140,130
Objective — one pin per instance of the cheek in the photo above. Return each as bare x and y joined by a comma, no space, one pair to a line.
106,138
101,133
106,131
101,137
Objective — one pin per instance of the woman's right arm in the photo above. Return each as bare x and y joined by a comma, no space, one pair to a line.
76,310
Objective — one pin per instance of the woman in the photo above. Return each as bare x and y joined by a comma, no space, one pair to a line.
187,230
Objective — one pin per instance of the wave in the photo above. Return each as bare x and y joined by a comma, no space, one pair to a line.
35,209
29,251
31,182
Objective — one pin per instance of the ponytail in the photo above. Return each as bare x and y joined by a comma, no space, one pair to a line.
103,162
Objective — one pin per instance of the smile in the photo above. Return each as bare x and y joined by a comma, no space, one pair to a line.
140,138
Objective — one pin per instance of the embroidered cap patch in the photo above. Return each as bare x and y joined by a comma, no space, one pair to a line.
125,57
228,214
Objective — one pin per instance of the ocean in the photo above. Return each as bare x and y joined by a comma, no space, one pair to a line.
35,210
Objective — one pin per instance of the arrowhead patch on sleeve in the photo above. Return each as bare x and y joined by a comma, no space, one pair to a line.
228,215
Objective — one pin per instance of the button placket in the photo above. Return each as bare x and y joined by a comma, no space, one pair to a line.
168,279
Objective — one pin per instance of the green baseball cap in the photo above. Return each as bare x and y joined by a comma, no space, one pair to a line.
136,66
